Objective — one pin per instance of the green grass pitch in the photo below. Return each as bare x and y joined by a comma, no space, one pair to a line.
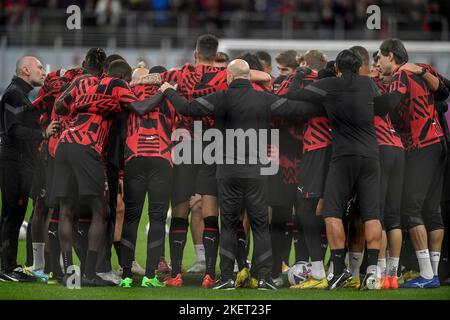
192,289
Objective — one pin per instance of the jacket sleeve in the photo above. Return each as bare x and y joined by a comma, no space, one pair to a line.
286,107
14,109
387,102
203,106
315,93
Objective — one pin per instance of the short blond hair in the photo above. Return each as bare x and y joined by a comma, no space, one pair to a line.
315,59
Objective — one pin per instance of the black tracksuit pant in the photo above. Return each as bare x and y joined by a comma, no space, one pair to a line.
15,186
236,194
144,175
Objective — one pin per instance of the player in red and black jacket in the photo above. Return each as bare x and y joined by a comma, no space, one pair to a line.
79,170
313,169
148,170
422,136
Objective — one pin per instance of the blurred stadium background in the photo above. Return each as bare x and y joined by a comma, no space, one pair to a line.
163,32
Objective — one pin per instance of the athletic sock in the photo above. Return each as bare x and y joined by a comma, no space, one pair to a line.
372,260
423,257
55,251
337,257
48,259
29,244
67,260
381,264
91,261
155,243
117,249
177,241
318,270
355,259
242,247
392,266
199,252
211,243
277,237
38,256
435,256
363,267
300,245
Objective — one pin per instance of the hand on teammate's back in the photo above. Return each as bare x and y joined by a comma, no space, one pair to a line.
52,128
411,67
166,86
151,78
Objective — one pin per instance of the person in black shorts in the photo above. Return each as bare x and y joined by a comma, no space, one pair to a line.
417,122
355,157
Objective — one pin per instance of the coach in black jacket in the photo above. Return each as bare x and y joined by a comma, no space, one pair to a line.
20,135
241,183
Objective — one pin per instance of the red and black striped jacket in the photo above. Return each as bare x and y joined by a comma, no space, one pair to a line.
92,104
150,135
418,122
317,130
386,134
197,81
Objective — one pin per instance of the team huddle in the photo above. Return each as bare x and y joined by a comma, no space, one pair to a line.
362,154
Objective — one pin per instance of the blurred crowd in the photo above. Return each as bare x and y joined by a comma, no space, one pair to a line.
417,12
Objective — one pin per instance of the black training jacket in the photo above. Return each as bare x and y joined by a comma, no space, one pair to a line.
20,132
241,108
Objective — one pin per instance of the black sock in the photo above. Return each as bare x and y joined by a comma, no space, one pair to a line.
338,257
47,257
277,236
372,257
29,241
82,240
91,261
287,241
55,251
211,244
242,247
67,260
177,241
301,249
363,267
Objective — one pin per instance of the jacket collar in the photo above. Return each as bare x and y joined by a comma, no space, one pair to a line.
22,84
240,83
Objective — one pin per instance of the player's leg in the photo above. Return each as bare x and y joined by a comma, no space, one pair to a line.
368,190
39,230
231,195
197,226
310,225
135,188
433,219
256,205
420,169
338,189
182,190
206,185
392,215
159,186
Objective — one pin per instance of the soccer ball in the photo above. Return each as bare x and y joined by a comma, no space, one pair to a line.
23,231
299,272
373,282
